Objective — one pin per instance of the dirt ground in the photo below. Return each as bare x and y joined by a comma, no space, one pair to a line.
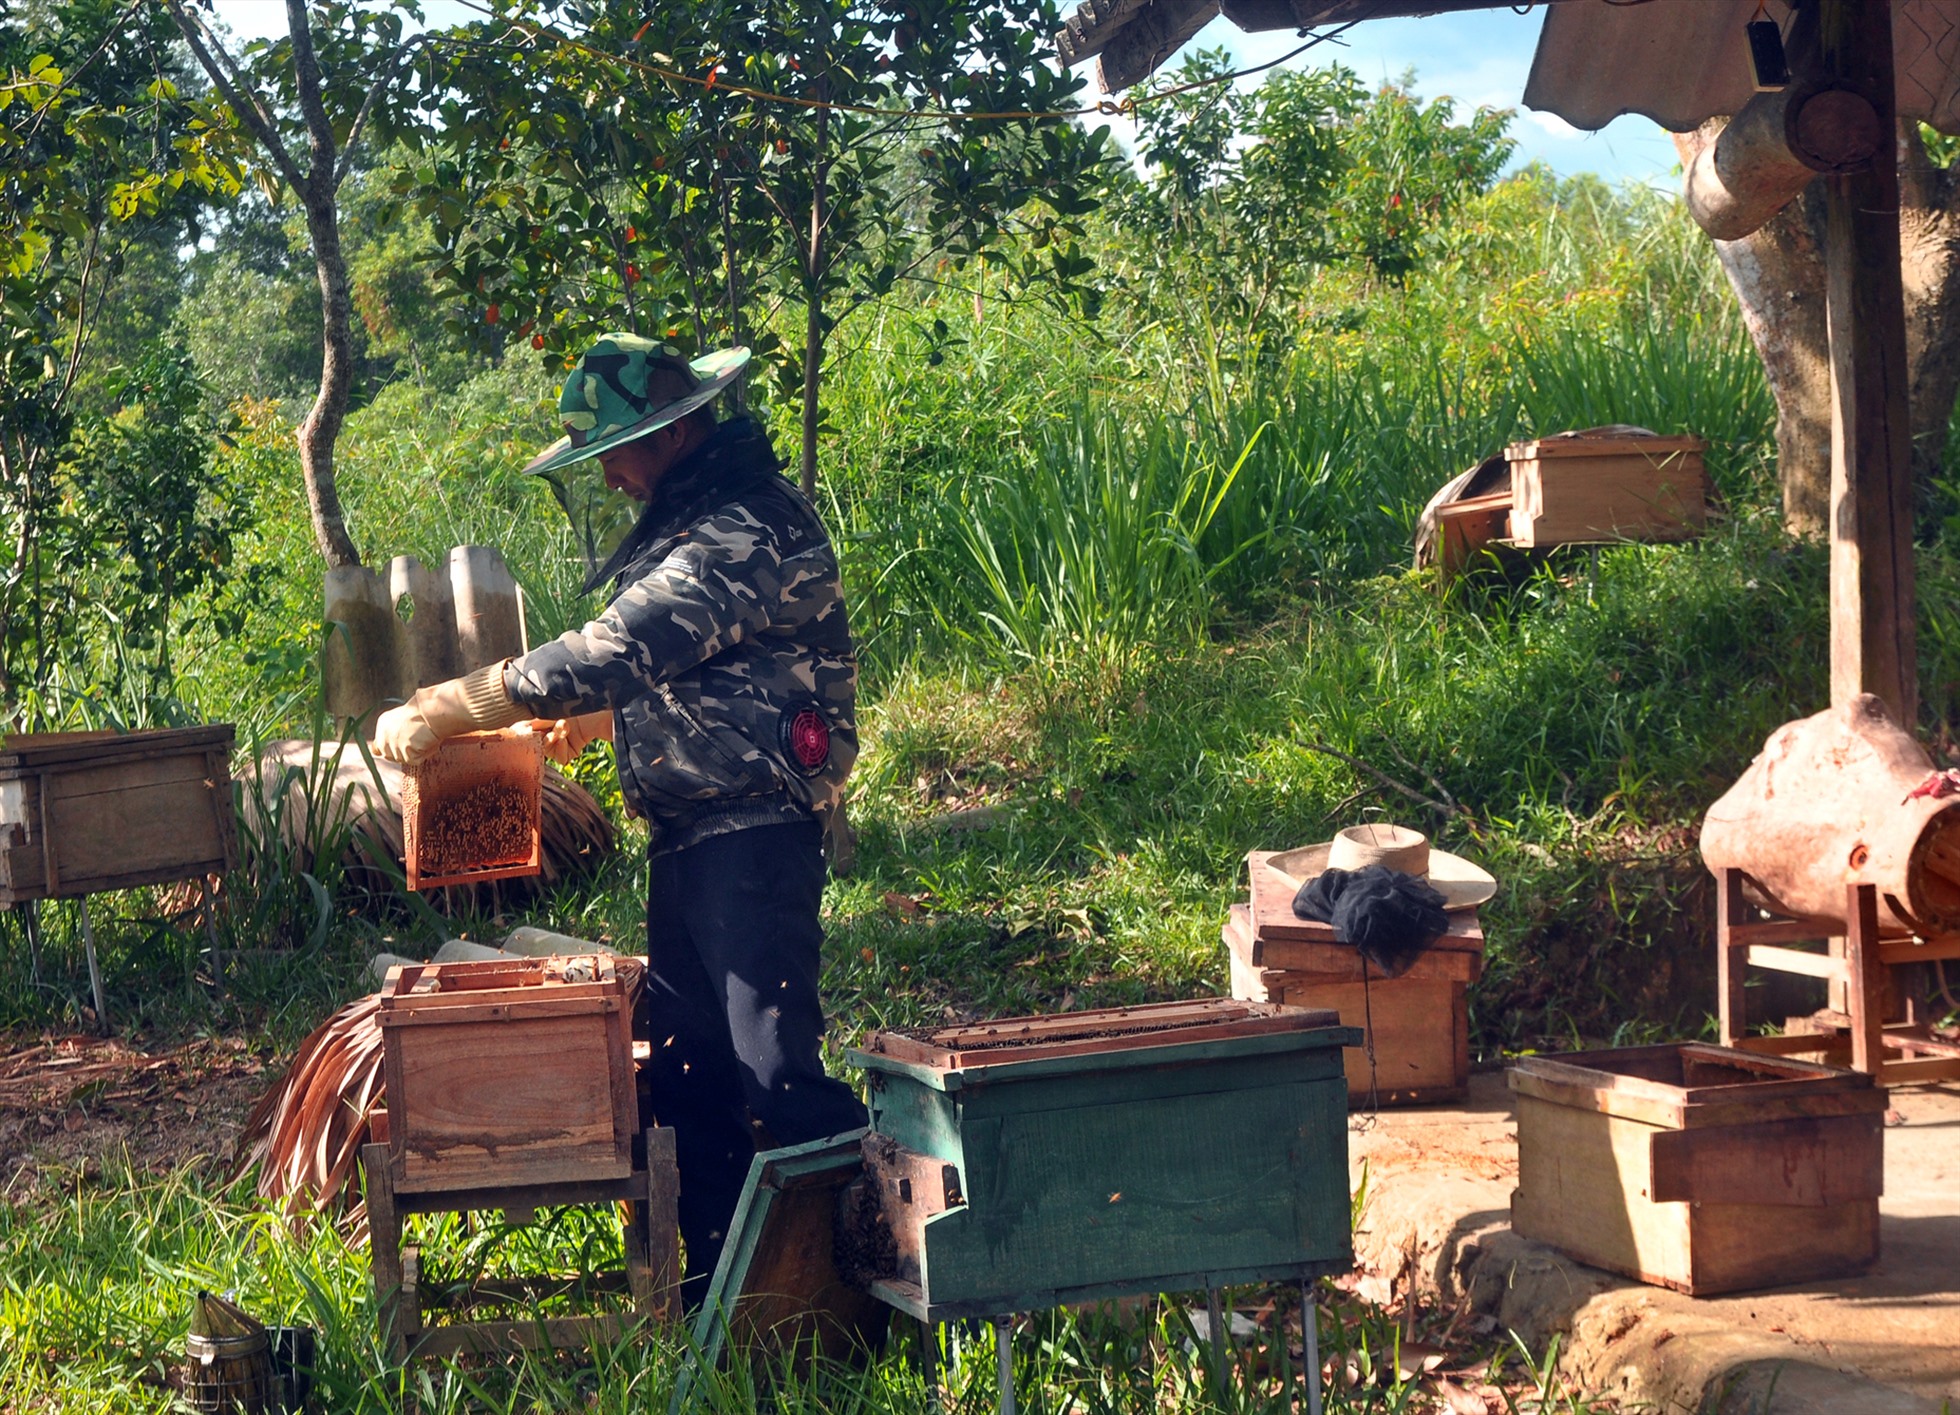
76,1104
1437,1224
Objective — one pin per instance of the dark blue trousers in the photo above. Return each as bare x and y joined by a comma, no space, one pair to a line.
733,945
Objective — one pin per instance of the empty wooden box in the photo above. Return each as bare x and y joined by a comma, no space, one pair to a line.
471,812
1420,1020
1698,1167
501,1074
82,812
1041,1160
1606,488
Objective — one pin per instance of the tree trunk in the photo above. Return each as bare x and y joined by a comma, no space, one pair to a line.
1929,249
321,427
1778,275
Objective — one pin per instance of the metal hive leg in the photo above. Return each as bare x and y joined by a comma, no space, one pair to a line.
1004,1350
1310,1351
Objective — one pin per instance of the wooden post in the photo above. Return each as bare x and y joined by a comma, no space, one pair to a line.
385,1252
1865,990
1730,970
1872,636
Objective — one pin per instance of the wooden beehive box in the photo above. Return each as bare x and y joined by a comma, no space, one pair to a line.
502,1074
1421,1019
1043,1160
82,812
472,812
1606,488
1698,1167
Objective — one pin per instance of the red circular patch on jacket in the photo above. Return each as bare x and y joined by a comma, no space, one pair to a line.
806,734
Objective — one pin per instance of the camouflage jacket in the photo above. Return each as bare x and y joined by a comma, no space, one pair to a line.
725,653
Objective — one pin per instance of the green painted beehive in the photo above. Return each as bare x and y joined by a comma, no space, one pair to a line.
1034,1161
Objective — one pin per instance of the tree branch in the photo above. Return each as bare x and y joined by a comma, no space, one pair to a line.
1385,779
309,86
231,85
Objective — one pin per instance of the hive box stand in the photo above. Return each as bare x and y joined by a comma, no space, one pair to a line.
1040,1161
1700,1168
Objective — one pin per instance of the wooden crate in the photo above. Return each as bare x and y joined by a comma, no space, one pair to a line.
440,848
501,1074
82,812
1042,1160
1421,1020
1597,488
1700,1168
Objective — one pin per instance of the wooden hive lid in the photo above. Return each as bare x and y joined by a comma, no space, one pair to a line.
1099,1032
1652,444
30,750
498,982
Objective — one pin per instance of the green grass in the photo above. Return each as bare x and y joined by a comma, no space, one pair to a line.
99,1271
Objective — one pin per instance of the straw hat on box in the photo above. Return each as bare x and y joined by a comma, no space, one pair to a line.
1462,884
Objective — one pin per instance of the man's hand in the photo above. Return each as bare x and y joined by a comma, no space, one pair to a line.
565,737
412,732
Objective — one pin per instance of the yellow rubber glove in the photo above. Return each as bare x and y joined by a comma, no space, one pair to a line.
473,703
565,737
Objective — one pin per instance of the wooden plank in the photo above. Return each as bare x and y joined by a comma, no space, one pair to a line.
1872,581
1091,1033
1899,955
1785,930
1919,1072
623,1190
1792,960
1801,1163
384,1249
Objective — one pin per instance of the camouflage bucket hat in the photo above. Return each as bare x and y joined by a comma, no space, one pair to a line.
626,387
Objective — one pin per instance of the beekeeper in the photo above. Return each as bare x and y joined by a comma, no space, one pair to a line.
722,668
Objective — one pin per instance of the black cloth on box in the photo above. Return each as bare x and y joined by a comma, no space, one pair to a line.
1390,917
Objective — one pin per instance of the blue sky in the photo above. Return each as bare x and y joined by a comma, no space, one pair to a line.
1476,57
